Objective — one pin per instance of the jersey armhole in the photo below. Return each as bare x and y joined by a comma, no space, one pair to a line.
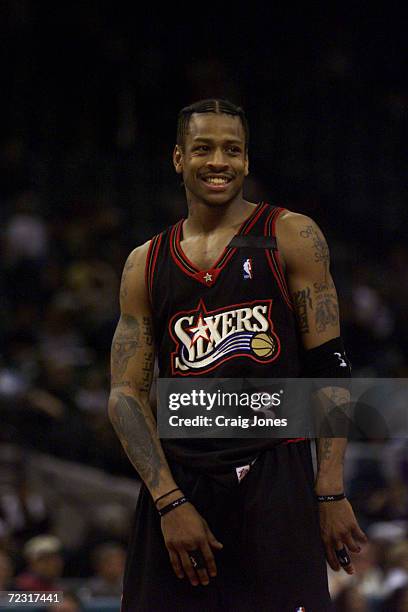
273,257
151,260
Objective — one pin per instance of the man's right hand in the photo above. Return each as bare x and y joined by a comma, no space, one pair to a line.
185,530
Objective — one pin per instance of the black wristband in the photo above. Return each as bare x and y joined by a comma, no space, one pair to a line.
165,495
330,498
174,504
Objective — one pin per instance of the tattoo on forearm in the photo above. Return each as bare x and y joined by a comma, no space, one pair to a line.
302,301
125,343
121,383
135,428
327,444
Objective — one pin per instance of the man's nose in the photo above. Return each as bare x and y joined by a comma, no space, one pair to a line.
218,160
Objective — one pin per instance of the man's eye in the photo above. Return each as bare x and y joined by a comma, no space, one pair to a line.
201,148
233,149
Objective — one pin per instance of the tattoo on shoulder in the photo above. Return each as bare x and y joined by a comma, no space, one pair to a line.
124,282
302,301
319,243
125,343
321,250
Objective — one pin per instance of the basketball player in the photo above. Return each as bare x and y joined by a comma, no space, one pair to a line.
232,524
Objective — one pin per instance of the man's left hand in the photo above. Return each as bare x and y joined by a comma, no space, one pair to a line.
339,530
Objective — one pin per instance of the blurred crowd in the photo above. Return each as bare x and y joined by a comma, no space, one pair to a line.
86,175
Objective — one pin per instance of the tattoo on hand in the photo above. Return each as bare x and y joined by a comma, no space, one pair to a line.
125,343
131,423
302,301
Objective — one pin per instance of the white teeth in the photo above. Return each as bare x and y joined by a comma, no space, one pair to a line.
216,180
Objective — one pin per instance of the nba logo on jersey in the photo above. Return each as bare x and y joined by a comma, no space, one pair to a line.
242,472
300,609
247,266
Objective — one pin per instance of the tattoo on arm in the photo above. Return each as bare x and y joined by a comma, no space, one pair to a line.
135,428
302,301
327,444
125,343
124,286
327,308
121,383
321,250
147,367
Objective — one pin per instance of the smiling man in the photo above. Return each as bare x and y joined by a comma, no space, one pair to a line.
237,289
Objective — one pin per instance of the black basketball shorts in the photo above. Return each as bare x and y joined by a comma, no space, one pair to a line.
273,558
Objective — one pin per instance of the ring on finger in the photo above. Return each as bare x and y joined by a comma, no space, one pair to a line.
343,556
197,559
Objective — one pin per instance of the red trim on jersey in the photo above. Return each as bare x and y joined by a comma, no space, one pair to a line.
147,264
273,256
278,279
263,205
277,254
291,440
153,265
198,275
202,308
189,268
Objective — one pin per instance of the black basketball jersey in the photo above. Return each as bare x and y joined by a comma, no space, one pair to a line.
232,320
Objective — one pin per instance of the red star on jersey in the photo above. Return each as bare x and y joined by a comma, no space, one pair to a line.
199,331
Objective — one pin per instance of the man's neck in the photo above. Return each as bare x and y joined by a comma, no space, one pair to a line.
205,219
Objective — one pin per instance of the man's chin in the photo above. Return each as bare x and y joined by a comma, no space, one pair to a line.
217,200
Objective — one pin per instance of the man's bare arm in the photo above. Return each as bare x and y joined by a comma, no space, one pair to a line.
132,360
314,296
307,260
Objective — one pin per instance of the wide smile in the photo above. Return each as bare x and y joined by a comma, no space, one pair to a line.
216,182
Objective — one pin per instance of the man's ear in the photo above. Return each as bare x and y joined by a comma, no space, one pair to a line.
178,159
246,171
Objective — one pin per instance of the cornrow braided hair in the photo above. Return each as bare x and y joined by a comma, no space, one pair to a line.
212,105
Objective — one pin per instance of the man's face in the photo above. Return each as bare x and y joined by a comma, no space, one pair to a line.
213,161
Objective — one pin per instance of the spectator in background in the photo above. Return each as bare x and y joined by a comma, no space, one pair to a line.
397,568
23,510
109,565
45,564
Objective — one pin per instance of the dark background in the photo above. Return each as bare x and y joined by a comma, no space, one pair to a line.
91,92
